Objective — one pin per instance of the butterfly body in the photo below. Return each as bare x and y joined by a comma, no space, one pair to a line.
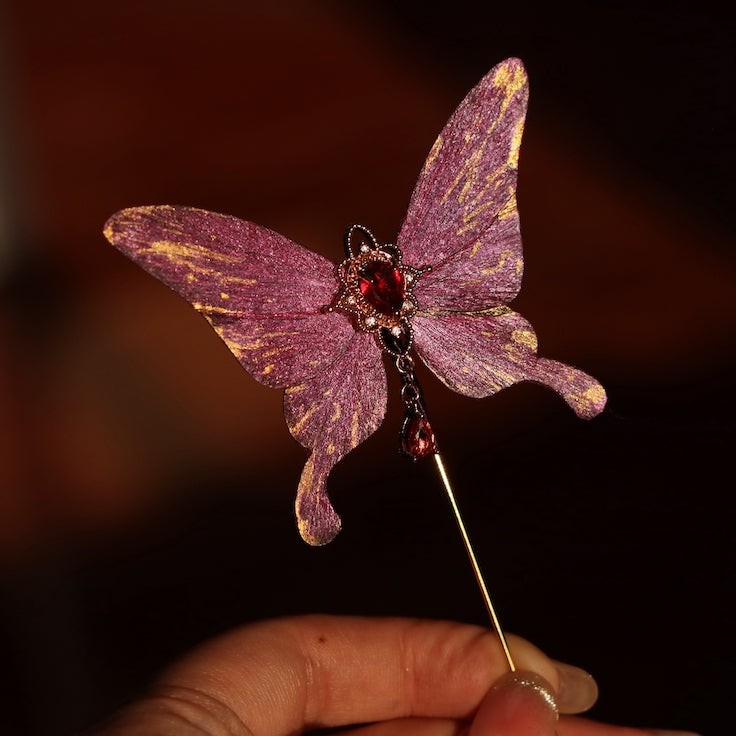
377,290
295,321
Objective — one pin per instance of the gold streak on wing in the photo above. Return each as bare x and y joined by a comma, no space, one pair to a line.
475,248
283,333
434,152
296,388
472,212
513,353
210,309
221,278
275,351
501,311
468,173
510,82
525,337
354,427
223,295
297,426
502,379
468,180
305,486
502,260
181,252
268,369
508,209
594,395
483,200
516,143
337,411
225,278
191,256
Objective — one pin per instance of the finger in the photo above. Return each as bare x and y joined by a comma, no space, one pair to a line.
412,727
519,704
577,691
570,726
279,677
510,720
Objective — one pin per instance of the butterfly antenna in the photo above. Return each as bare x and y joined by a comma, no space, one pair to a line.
418,441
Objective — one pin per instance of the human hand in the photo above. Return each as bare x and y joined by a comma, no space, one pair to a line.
401,676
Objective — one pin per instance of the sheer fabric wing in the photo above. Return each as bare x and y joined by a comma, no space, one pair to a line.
462,219
463,222
478,355
261,292
264,295
332,414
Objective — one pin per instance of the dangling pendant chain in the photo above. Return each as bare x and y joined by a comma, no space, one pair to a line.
411,394
416,439
376,289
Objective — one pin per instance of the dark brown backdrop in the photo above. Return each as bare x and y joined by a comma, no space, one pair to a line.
147,482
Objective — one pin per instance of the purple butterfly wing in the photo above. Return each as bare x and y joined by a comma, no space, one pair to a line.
462,219
480,354
463,222
264,296
332,414
261,292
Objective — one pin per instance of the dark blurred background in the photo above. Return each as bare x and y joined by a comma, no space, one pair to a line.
147,482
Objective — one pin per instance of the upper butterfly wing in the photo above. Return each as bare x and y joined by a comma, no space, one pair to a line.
263,294
462,218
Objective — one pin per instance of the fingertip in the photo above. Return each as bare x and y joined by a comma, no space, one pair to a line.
519,704
577,691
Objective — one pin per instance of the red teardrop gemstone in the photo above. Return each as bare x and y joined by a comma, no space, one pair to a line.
382,286
417,438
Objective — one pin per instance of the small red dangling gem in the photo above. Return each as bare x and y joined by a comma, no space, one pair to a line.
417,438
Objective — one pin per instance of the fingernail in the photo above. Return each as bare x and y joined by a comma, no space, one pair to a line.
518,703
530,681
577,690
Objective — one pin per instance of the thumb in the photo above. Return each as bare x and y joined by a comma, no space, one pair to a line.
519,704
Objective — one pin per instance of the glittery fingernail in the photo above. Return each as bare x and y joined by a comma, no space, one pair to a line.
519,702
577,690
530,680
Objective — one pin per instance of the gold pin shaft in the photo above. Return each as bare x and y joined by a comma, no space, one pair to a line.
474,562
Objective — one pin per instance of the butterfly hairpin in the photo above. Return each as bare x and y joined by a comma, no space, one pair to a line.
296,321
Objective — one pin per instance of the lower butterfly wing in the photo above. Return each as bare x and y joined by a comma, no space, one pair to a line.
261,292
462,218
333,413
480,354
264,295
